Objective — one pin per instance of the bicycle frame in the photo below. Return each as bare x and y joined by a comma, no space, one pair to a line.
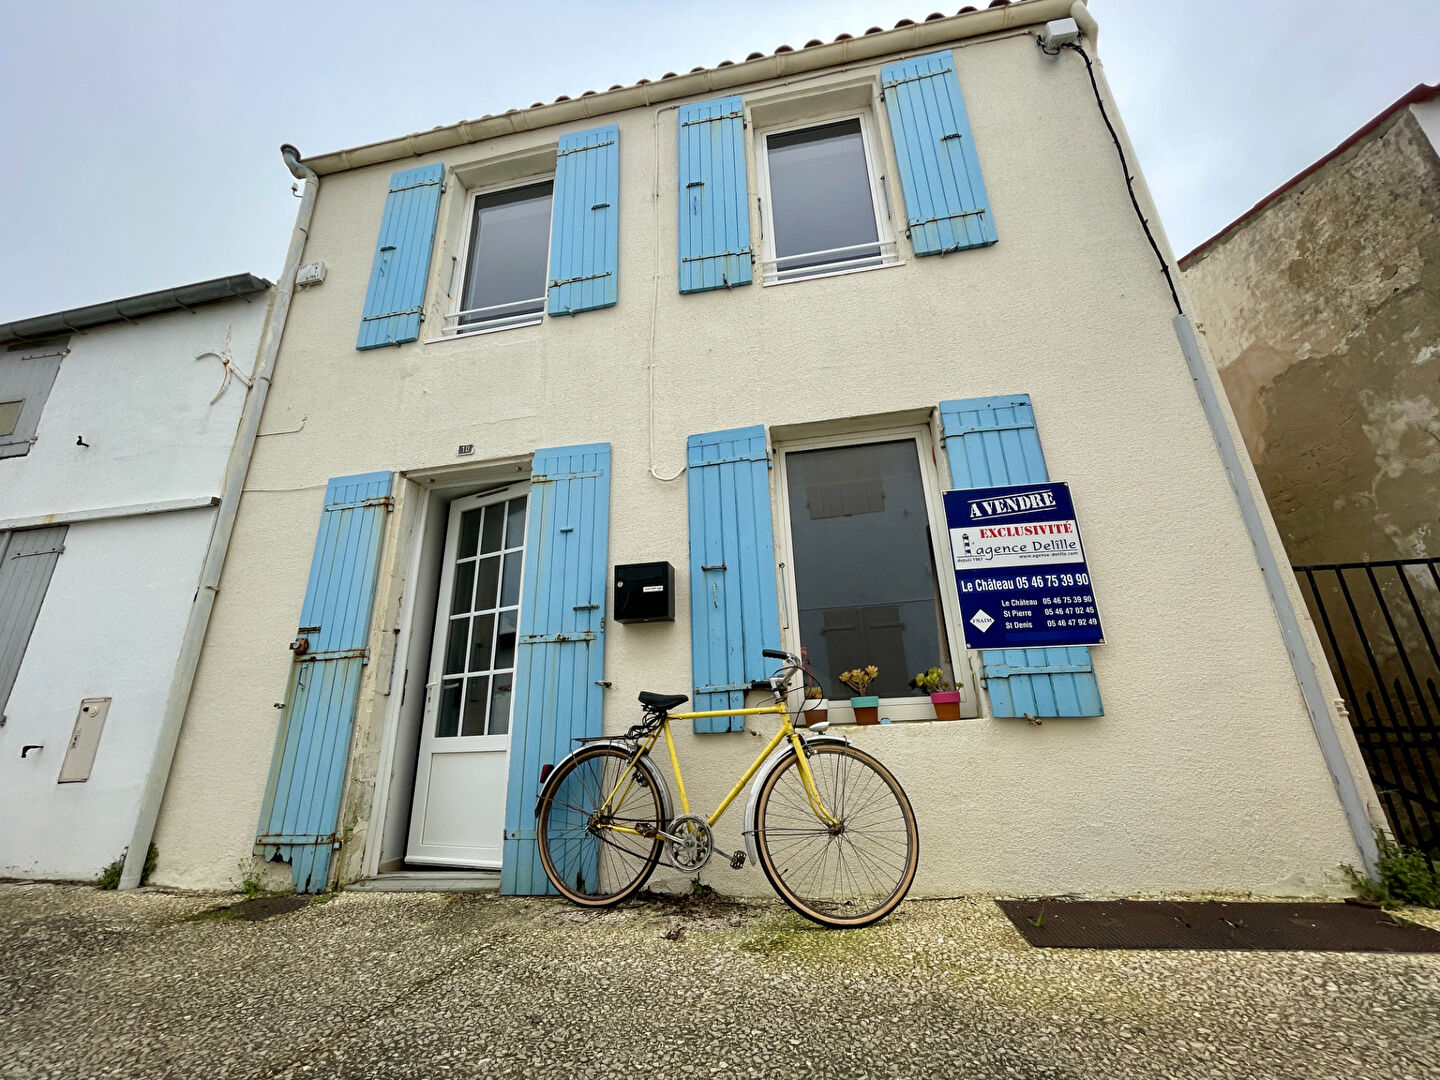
787,731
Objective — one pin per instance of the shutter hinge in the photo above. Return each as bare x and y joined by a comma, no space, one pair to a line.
543,478
363,655
558,639
916,78
1005,671
392,314
582,149
420,184
722,688
947,217
718,255
572,280
714,119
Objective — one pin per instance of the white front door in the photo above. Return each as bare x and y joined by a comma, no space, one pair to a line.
459,814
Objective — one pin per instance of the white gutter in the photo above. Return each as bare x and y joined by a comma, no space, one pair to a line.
236,469
109,513
912,36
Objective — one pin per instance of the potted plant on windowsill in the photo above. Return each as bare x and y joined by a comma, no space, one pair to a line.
946,701
814,714
867,708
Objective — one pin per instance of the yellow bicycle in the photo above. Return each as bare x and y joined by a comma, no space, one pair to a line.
829,825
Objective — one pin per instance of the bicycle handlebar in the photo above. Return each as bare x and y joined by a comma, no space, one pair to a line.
777,654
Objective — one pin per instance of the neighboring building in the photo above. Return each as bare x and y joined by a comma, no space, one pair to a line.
117,422
1321,306
751,321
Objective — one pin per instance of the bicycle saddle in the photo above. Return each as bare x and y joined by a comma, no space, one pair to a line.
661,702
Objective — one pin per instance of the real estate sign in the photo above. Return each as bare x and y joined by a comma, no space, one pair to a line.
1020,568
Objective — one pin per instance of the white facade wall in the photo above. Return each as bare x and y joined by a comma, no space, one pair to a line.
114,614
1202,774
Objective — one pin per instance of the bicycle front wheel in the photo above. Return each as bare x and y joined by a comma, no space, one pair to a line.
598,828
849,874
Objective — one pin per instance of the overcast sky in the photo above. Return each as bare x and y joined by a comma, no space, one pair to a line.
140,138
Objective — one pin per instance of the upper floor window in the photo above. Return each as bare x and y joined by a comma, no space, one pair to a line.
507,259
825,201
26,375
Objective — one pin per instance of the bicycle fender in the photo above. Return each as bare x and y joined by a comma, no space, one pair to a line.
773,763
644,764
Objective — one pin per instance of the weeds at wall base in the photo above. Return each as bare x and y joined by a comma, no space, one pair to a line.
1403,876
110,876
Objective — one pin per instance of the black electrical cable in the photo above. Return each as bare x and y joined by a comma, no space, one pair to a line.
1124,165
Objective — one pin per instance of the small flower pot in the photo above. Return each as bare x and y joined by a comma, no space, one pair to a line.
946,704
867,709
814,716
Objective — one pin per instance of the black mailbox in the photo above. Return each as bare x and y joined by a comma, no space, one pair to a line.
645,592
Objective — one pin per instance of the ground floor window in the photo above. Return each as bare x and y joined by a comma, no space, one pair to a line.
863,559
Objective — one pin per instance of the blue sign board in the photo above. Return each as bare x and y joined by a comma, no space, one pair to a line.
1020,568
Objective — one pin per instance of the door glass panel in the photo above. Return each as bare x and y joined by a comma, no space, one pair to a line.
448,720
489,578
477,690
864,568
455,646
500,703
510,586
494,530
481,639
515,529
469,533
505,646
464,588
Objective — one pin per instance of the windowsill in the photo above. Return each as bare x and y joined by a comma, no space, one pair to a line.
482,330
900,711
795,279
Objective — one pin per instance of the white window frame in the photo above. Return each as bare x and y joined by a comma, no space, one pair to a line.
452,327
879,198
896,709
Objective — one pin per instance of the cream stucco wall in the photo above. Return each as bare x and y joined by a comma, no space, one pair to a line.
1203,773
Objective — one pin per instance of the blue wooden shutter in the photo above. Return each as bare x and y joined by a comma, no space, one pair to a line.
560,660
395,299
945,204
734,607
585,229
714,196
302,798
991,442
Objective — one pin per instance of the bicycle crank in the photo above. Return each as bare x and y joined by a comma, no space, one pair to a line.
690,841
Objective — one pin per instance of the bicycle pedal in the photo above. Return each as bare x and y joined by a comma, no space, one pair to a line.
737,860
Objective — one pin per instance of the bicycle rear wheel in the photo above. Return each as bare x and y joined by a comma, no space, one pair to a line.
584,854
846,875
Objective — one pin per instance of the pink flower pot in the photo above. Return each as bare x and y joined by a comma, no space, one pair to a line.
947,704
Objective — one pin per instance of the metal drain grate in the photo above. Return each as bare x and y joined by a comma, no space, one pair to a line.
1211,924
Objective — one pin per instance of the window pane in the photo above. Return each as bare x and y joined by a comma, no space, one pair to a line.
447,723
500,703
820,196
510,586
455,646
509,252
477,691
489,579
481,639
505,645
10,416
469,533
464,588
864,568
515,529
494,529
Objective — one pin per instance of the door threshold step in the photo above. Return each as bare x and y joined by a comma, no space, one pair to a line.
430,881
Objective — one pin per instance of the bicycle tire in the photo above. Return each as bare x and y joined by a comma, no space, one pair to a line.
847,877
591,866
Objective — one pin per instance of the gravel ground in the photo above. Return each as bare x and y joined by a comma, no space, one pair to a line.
446,985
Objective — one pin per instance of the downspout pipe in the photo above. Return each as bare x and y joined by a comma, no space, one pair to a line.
236,469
